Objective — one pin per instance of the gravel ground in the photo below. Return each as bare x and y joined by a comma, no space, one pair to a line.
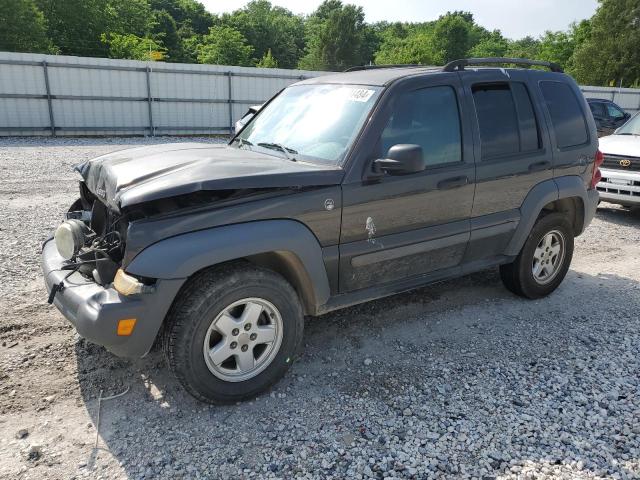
458,380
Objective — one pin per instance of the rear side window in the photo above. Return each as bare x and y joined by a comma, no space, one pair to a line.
428,117
566,115
506,119
614,112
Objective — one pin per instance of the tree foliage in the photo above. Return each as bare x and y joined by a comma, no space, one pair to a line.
133,47
609,51
225,46
267,61
335,36
600,51
23,27
268,27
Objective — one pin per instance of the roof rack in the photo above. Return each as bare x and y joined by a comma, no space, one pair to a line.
376,67
460,64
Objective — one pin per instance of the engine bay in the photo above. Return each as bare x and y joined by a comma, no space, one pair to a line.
92,238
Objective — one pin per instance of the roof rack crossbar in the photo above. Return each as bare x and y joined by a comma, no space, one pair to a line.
460,64
376,67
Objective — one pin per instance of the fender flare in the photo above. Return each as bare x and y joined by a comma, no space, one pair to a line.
183,255
570,186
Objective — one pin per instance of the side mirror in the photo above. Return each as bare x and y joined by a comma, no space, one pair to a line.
402,159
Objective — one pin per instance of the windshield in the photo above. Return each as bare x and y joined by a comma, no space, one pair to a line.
632,127
312,122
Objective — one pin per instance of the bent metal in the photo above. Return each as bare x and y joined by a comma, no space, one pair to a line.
339,190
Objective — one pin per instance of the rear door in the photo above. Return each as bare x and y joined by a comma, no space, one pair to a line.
512,152
571,136
398,228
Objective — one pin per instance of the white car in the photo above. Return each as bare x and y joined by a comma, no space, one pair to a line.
621,168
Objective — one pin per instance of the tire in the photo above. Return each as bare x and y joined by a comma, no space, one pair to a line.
522,277
209,298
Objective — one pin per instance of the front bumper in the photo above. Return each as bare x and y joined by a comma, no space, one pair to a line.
95,310
620,187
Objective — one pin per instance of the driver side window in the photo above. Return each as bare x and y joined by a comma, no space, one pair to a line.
428,117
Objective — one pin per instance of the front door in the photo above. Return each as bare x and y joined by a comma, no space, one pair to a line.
398,228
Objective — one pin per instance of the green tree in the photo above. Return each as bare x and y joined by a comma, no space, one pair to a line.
433,43
335,35
186,12
224,46
451,38
267,61
527,47
128,17
270,28
493,44
133,47
610,50
165,31
75,27
23,27
556,47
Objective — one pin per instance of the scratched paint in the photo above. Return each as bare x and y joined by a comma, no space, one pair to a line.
370,227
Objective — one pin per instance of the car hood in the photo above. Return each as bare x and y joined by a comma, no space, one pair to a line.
624,145
139,175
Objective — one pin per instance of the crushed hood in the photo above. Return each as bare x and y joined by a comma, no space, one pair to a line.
139,175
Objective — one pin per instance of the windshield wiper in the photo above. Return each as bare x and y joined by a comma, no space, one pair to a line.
629,133
282,148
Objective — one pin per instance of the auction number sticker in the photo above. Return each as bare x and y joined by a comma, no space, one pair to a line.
360,94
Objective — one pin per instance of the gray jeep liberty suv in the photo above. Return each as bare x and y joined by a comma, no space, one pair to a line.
342,189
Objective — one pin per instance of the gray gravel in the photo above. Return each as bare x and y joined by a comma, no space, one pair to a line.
458,380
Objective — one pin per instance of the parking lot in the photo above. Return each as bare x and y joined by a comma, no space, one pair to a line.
458,380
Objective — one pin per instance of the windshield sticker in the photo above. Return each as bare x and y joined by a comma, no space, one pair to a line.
360,94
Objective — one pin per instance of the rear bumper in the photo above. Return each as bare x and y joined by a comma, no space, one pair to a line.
620,187
592,200
95,310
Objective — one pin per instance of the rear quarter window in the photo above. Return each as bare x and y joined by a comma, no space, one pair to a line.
567,117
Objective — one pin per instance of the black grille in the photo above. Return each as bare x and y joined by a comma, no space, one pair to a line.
625,164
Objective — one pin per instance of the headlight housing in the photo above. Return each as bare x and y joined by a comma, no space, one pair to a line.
70,238
126,284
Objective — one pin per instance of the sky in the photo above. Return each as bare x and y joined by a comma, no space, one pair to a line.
515,18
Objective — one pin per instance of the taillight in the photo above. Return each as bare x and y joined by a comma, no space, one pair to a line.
596,176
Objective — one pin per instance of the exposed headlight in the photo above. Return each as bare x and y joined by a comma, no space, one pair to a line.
69,238
126,284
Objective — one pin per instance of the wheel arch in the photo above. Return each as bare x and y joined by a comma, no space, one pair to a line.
284,246
566,194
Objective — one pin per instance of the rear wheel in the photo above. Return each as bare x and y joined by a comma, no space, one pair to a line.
233,332
544,259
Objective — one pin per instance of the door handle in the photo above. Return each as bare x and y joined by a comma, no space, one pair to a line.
539,166
454,182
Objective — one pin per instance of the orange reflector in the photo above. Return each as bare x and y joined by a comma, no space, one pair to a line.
125,327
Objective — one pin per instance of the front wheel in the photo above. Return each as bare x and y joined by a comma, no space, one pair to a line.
233,332
544,259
